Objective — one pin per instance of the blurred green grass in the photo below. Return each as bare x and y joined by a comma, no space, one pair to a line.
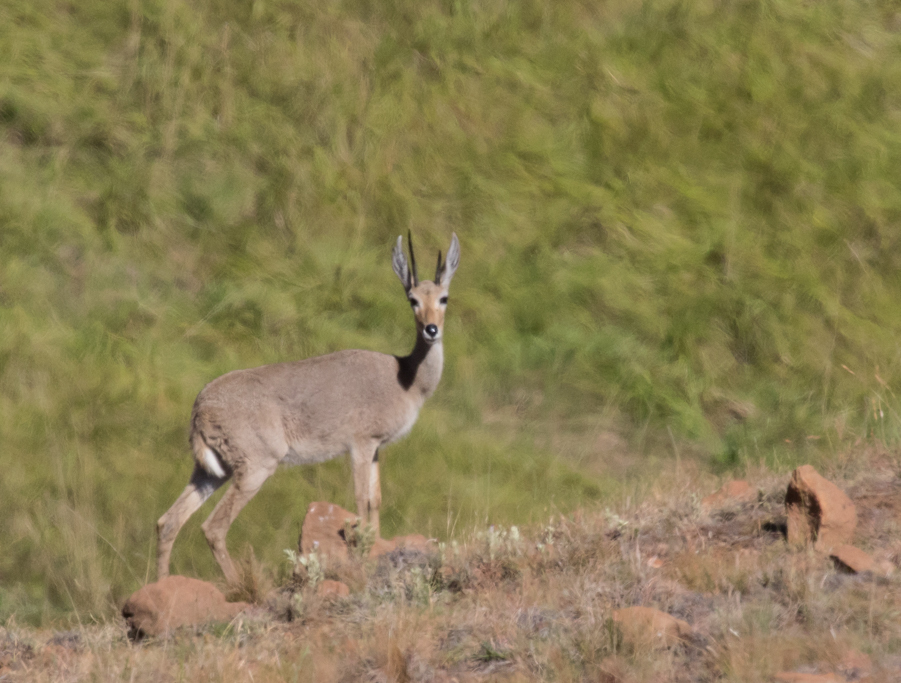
679,221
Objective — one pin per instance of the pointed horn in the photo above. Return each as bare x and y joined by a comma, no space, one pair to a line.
438,269
413,271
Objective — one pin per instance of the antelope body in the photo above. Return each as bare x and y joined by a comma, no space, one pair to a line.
247,422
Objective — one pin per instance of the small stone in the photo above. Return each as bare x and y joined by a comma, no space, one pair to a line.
883,568
327,587
612,670
791,677
737,491
645,626
852,559
818,511
176,601
413,541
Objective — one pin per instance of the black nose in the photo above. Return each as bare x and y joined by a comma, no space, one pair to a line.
431,330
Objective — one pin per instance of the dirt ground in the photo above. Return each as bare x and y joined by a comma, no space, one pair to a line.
538,604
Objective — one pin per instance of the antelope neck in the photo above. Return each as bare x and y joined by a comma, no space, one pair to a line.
422,368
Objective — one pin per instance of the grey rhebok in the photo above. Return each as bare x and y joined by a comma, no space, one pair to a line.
248,422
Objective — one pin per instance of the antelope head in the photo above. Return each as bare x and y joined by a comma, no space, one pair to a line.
427,298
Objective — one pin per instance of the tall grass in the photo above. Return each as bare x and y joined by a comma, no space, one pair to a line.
679,224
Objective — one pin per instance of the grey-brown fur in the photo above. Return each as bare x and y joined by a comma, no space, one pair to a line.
247,422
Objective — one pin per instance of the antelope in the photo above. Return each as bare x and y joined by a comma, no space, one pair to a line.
246,423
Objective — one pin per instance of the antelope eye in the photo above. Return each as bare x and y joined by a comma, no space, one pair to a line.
443,300
413,302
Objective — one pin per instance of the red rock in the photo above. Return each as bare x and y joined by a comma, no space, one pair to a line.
333,588
414,541
738,491
382,547
645,626
176,601
323,530
852,558
612,670
818,511
854,665
417,541
855,560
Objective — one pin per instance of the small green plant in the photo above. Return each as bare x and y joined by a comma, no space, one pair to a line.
501,542
618,524
295,607
360,537
308,568
420,588
490,652
546,538
449,551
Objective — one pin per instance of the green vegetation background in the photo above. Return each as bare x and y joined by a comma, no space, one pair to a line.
679,226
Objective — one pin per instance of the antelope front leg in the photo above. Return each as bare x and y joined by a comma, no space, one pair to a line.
367,490
375,493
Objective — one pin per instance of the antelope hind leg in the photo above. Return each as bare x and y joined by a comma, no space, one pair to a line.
216,527
201,486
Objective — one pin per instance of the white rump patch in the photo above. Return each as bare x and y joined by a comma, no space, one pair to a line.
210,462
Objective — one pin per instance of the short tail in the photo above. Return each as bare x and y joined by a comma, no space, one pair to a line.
208,458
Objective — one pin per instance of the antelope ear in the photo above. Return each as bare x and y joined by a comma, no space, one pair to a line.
446,271
399,263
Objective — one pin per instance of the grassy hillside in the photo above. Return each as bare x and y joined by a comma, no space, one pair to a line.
679,226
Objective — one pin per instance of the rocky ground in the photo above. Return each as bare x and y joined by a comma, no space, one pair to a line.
790,579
